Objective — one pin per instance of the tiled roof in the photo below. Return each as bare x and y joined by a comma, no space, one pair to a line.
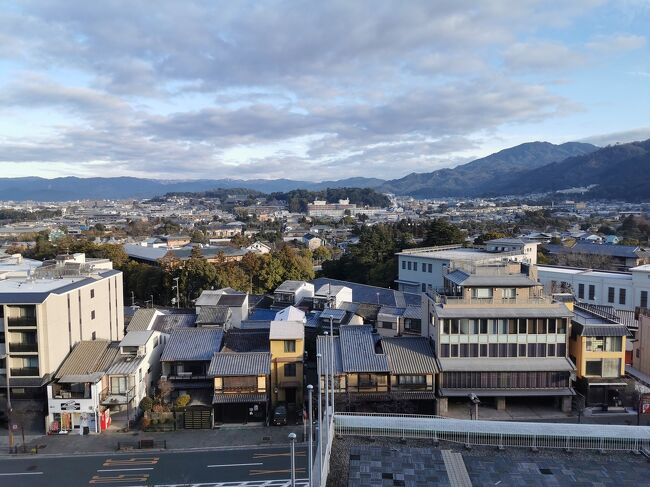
246,341
410,355
413,312
323,346
124,365
358,350
362,293
136,338
239,364
88,358
234,300
213,315
239,398
142,318
168,322
192,344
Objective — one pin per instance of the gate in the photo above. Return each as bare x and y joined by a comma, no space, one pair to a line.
197,418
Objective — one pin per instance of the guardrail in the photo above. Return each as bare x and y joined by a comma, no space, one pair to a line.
495,433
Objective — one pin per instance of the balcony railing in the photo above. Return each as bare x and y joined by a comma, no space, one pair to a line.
441,297
21,321
24,372
239,390
70,395
23,347
188,376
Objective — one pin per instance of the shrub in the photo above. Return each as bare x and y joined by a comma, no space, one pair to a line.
146,404
183,400
146,422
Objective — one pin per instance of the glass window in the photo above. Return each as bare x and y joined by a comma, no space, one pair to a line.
531,326
464,350
541,326
512,326
644,299
454,326
444,350
522,326
551,325
541,349
611,367
484,325
581,291
473,350
503,349
412,379
445,326
610,294
512,349
621,296
551,349
289,370
430,268
493,325
561,325
494,350
464,326
454,351
482,292
408,264
483,350
561,349
510,293
403,264
592,292
532,350
289,346
522,349
594,368
473,327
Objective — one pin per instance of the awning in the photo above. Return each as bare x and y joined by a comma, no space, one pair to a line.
446,392
239,398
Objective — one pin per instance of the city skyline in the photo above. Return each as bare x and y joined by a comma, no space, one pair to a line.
320,92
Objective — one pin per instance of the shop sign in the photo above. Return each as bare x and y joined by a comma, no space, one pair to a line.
70,406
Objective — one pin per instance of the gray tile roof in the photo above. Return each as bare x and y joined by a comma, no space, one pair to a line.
136,338
549,364
125,365
246,341
239,398
192,344
168,322
410,355
323,346
239,364
502,312
626,251
358,350
141,320
413,312
601,330
217,315
90,358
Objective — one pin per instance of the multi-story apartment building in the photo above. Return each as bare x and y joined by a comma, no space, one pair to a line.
621,290
497,335
423,268
44,315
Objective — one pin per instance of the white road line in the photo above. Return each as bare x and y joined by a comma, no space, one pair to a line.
235,465
22,473
123,469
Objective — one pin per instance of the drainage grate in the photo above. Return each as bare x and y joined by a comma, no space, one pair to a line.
546,471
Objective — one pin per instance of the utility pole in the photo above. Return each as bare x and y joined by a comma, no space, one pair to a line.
310,390
132,298
178,295
152,300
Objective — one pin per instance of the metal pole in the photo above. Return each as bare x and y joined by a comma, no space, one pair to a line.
327,390
9,408
132,298
332,360
310,390
152,300
178,296
319,357
292,437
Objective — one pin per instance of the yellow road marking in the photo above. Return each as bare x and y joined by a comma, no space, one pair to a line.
141,477
113,462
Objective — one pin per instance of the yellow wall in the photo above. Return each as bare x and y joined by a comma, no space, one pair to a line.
278,358
578,349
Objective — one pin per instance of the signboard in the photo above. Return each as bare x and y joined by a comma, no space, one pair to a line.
70,406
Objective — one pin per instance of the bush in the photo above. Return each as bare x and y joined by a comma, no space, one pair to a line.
146,404
183,400
146,422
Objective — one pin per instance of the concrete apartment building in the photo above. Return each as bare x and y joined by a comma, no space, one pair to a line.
424,268
44,315
621,290
497,335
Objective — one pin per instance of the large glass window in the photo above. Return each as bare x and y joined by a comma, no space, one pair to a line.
522,326
289,346
594,368
604,344
621,296
592,292
510,293
484,325
644,299
610,294
482,292
581,291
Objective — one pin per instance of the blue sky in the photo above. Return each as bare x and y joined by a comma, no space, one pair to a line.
311,90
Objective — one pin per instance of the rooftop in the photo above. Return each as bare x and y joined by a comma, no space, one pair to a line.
192,344
240,364
287,330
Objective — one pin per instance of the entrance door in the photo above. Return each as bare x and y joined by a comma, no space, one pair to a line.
290,395
199,418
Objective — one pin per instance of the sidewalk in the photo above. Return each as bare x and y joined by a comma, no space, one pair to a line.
106,442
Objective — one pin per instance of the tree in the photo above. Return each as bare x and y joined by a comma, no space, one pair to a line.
322,253
164,389
441,232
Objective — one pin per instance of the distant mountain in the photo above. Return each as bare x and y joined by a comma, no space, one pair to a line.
616,172
483,175
73,188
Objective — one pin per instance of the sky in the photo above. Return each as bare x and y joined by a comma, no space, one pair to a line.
311,90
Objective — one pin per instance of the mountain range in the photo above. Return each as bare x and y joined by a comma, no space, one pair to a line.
620,171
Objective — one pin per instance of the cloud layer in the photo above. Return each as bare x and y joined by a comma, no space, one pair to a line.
316,90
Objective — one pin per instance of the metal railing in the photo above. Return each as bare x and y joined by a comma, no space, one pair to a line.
24,372
22,347
440,297
495,433
21,321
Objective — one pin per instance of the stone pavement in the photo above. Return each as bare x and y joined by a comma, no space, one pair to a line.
225,437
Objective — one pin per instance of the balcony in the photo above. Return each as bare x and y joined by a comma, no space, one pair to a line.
447,298
24,372
21,321
23,347
239,390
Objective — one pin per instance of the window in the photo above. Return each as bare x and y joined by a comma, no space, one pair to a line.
581,291
94,336
483,328
464,350
611,292
494,349
92,315
454,351
482,292
522,350
92,293
592,292
621,296
408,265
604,344
510,293
522,326
644,299
424,267
551,325
561,350
594,368
412,379
444,350
289,346
561,325
430,268
551,349
512,349
289,370
611,367
473,350
483,349
403,265
512,327
387,325
532,350
118,385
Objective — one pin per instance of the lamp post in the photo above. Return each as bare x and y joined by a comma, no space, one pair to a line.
9,408
332,360
310,390
319,358
327,389
292,437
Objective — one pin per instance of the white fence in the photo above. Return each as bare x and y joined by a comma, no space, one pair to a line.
495,433
323,451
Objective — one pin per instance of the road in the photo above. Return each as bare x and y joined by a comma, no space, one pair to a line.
264,467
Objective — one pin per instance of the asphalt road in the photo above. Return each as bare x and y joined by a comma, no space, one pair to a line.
268,467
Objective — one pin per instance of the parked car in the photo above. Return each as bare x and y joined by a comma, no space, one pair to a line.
280,415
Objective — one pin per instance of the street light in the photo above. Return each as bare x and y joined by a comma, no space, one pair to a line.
319,358
292,437
310,390
475,401
326,373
